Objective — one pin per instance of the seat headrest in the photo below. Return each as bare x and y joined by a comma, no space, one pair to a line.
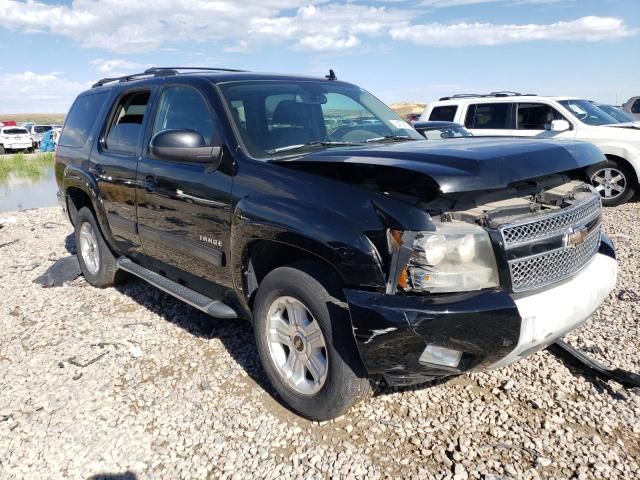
289,112
131,119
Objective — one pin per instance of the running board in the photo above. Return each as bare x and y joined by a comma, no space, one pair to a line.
568,353
215,308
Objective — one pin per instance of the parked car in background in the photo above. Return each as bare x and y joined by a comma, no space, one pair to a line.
37,131
517,115
632,106
360,254
617,112
441,130
15,139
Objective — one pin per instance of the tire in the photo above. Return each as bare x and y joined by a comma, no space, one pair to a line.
616,182
96,261
316,396
2,151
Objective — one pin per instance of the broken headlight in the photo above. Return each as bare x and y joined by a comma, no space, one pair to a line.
456,257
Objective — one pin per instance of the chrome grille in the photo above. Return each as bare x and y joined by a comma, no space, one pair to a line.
551,224
550,267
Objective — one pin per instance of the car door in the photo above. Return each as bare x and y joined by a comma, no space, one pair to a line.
489,119
113,164
533,119
184,209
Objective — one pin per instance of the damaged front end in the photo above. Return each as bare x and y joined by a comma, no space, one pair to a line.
500,275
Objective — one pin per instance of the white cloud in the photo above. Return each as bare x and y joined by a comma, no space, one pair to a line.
115,67
30,92
460,3
589,29
134,26
131,26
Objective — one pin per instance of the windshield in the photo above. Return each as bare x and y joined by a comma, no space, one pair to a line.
619,115
588,113
42,128
443,133
275,117
14,131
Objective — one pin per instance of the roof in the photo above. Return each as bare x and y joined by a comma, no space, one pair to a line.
216,75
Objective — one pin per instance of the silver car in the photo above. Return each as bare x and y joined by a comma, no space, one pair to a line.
633,107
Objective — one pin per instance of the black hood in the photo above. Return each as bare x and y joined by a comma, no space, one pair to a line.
467,164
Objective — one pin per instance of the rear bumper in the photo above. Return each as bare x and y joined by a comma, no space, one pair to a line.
489,329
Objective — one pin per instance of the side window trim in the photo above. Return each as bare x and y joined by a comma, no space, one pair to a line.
108,123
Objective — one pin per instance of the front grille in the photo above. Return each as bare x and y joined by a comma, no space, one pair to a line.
530,269
543,269
551,224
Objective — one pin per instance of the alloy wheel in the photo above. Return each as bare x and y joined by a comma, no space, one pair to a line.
296,345
610,183
89,248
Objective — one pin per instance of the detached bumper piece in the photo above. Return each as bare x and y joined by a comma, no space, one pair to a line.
571,355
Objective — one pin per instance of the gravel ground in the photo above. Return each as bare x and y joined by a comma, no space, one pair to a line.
130,382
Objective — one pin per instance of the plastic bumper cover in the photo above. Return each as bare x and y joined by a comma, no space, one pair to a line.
490,328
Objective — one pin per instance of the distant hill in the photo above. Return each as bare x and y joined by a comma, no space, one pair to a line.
406,108
45,118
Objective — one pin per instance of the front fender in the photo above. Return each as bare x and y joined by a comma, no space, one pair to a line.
323,233
74,177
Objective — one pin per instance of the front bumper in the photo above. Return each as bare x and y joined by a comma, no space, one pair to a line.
491,328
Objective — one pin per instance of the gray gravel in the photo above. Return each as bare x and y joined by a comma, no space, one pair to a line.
129,380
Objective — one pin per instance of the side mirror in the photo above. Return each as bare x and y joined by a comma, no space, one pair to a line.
184,146
559,126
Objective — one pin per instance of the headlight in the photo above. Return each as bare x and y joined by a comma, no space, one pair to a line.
457,257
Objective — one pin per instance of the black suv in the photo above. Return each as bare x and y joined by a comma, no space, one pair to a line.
359,251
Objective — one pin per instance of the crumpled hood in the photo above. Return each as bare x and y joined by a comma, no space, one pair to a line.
466,164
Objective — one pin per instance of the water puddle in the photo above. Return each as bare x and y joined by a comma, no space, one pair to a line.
27,183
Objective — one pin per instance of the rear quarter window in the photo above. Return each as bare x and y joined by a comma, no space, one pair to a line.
445,113
81,120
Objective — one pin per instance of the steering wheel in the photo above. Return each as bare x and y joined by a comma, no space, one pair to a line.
358,135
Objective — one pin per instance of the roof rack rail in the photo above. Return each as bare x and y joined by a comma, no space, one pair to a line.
504,93
158,72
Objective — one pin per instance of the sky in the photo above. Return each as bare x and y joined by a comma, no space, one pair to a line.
399,50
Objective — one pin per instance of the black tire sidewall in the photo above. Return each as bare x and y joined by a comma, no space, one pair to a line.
105,275
629,176
342,387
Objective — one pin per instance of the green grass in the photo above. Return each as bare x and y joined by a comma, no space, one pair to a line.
19,165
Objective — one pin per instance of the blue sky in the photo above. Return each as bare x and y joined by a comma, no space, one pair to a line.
399,50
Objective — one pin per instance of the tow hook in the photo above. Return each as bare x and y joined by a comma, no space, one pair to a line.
566,352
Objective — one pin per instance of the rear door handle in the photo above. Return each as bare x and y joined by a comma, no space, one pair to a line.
150,183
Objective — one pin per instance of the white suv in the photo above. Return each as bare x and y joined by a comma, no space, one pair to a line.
15,139
516,115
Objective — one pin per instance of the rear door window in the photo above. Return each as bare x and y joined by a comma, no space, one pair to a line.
125,130
636,107
81,120
488,116
445,113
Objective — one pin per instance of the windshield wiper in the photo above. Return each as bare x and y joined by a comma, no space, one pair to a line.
317,143
389,138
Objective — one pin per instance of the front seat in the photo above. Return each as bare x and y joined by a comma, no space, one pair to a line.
291,122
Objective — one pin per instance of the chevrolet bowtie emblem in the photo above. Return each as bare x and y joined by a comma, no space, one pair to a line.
574,237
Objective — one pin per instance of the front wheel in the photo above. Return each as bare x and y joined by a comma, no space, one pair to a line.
303,335
614,181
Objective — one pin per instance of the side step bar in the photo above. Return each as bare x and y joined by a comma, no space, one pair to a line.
215,308
568,353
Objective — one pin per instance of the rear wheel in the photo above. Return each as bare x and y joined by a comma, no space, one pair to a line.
614,181
2,151
96,261
303,334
